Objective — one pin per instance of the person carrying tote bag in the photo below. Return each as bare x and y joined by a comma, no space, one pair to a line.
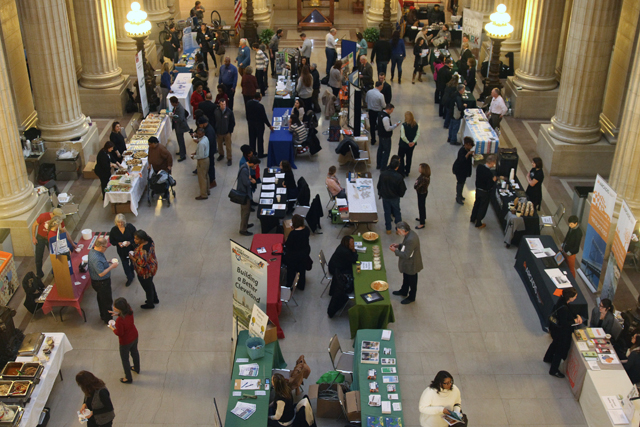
242,193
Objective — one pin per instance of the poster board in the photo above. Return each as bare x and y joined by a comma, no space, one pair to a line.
355,103
595,242
249,278
621,239
141,84
61,265
472,27
349,47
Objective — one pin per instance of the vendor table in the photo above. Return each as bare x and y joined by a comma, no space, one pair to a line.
269,222
476,125
272,360
274,305
514,227
189,61
281,141
576,367
360,372
376,315
539,285
84,280
39,397
182,89
412,31
287,100
361,198
604,383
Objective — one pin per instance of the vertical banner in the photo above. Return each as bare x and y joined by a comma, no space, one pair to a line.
472,26
595,242
188,40
142,87
249,276
624,230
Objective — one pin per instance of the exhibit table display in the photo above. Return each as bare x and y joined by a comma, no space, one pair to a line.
361,198
476,126
515,224
274,304
272,206
182,89
256,415
375,314
280,139
285,95
607,386
537,278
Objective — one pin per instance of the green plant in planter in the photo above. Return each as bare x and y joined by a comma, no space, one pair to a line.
265,35
371,34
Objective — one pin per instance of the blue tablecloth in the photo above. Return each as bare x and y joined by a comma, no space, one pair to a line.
191,53
281,143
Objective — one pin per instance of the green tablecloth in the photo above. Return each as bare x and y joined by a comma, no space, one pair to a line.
272,360
360,374
376,315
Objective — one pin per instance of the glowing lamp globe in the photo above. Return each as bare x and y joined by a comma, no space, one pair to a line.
137,25
499,27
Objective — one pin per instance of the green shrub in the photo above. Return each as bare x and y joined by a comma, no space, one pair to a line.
371,34
265,36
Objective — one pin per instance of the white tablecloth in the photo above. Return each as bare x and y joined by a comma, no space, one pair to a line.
604,383
361,199
138,184
477,127
40,395
165,131
182,89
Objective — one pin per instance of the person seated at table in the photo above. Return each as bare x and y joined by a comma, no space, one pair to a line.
297,250
602,316
341,269
441,398
632,364
282,409
443,38
197,60
300,133
411,17
289,180
333,184
561,331
298,109
435,15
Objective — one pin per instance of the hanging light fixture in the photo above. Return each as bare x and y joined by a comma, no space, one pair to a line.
137,25
498,26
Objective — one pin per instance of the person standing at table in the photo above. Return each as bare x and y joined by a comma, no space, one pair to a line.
127,334
204,38
335,83
282,410
391,188
457,113
201,155
103,166
168,50
571,245
330,48
385,132
39,235
305,48
470,79
179,119
561,331
262,65
462,167
409,261
422,190
484,183
535,179
304,89
273,49
244,187
229,79
208,107
316,88
100,272
249,85
197,96
463,62
119,143
449,100
224,126
244,56
297,250
375,103
160,158
257,119
365,73
146,265
497,109
96,400
121,237
443,77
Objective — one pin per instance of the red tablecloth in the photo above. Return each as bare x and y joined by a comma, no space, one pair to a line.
53,300
274,305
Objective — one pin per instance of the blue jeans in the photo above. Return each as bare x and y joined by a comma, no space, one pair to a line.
454,126
391,207
382,67
447,117
384,149
396,60
331,55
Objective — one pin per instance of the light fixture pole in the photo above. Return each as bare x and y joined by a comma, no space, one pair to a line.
498,29
250,25
138,28
386,27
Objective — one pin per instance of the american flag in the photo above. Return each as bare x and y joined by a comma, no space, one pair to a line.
237,12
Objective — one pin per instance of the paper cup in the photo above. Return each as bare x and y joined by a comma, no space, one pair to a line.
114,260
87,234
112,322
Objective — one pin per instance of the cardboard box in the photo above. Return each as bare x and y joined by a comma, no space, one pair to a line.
88,173
271,335
351,401
121,208
287,225
325,408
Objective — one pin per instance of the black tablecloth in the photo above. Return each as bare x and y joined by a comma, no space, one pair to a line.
539,285
501,207
269,222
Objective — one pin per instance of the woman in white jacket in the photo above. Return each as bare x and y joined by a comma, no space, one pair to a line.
440,398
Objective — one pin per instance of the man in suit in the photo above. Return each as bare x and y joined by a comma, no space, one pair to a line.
444,75
409,261
462,167
179,119
208,107
365,73
465,54
386,88
257,119
484,183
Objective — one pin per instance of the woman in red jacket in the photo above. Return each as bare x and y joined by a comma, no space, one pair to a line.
128,337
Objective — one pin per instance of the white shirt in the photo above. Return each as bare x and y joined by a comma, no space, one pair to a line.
432,403
498,106
330,41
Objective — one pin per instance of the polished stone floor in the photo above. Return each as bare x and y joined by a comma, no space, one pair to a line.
472,316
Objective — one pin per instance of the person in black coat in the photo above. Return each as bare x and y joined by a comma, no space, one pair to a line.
104,165
470,76
571,244
297,250
257,119
341,268
381,54
535,178
121,236
208,107
484,183
462,167
632,364
203,38
119,144
444,75
391,188
386,88
561,331
289,180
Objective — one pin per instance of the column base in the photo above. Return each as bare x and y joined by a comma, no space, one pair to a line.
563,159
105,102
20,227
263,19
609,129
531,104
127,58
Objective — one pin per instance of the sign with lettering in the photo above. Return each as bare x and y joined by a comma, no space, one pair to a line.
472,27
621,239
249,278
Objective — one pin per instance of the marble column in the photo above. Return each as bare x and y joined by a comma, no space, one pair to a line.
262,14
126,46
625,173
16,64
484,6
373,15
586,63
172,8
619,71
515,9
566,20
157,11
73,31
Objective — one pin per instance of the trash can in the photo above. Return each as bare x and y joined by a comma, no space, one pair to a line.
255,347
580,194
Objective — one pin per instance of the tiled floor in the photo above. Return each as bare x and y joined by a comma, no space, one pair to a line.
472,316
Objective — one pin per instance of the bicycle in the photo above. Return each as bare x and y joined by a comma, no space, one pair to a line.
223,35
162,36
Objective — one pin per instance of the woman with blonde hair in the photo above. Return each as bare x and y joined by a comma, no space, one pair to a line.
422,189
55,225
121,236
409,134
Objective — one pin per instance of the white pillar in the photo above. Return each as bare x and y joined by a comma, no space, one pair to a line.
73,31
566,20
126,46
373,16
157,11
515,9
262,14
484,6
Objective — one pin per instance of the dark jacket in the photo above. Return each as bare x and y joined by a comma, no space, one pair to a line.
367,75
115,237
470,79
210,133
103,165
458,106
409,257
435,17
462,167
179,119
297,247
448,98
208,108
244,180
201,39
572,240
342,261
118,141
606,323
381,48
257,115
100,404
561,333
316,79
225,121
444,75
386,91
484,178
633,366
391,185
168,50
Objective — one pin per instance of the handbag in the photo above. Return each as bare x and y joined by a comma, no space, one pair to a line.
553,319
235,196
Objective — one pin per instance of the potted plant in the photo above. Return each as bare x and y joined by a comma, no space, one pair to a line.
371,35
266,35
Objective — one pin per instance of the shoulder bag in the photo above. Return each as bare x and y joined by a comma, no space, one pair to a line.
235,196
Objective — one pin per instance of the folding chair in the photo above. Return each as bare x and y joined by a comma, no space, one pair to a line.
555,218
363,157
70,209
325,271
332,199
286,294
344,363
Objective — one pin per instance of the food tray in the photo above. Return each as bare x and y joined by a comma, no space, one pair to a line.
23,384
17,417
379,285
10,370
370,236
5,386
23,367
